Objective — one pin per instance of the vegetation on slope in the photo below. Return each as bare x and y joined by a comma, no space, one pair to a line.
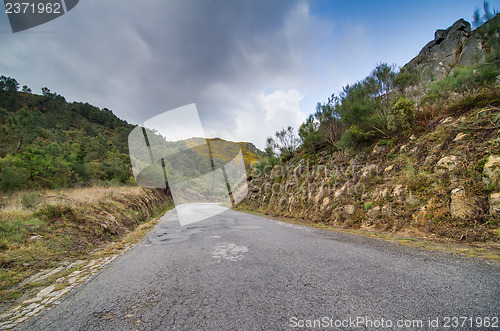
380,156
46,142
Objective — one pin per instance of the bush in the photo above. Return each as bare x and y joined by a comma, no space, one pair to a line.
406,78
29,200
467,79
263,166
12,178
401,115
55,212
353,137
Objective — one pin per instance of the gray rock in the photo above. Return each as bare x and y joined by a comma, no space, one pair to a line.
378,150
454,47
369,171
8,326
447,164
436,58
491,170
349,210
399,192
460,136
35,299
341,190
495,204
462,206
325,205
373,213
46,291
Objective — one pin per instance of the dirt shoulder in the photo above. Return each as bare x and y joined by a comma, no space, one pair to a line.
488,250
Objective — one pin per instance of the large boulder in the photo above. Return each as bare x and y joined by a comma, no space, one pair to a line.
491,170
436,58
463,206
495,204
454,47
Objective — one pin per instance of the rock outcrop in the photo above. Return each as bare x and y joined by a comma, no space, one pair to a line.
455,46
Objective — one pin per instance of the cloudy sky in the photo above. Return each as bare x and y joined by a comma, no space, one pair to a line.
251,66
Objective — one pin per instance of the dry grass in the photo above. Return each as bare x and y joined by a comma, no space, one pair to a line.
66,197
49,227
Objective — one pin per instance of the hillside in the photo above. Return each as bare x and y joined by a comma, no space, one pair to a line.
409,152
228,150
46,142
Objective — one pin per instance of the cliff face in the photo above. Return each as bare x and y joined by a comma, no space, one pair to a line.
455,46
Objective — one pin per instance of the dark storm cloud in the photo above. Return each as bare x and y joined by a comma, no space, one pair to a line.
170,53
141,59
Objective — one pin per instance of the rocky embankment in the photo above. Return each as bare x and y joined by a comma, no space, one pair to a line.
440,183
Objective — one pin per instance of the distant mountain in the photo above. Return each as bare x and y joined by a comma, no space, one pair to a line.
227,150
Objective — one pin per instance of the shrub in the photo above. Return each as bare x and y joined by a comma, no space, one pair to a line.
406,78
401,115
353,137
467,79
12,178
55,212
29,200
263,166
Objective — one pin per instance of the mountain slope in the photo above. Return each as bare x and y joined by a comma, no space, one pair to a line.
46,142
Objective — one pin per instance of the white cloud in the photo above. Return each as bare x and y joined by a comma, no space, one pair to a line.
261,115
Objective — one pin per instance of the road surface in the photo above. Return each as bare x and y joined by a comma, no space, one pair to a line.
238,271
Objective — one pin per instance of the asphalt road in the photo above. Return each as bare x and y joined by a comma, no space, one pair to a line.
237,271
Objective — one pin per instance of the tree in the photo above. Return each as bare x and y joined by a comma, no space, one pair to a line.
26,89
380,84
269,150
285,141
333,130
46,93
8,96
8,84
478,20
310,135
330,124
22,126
